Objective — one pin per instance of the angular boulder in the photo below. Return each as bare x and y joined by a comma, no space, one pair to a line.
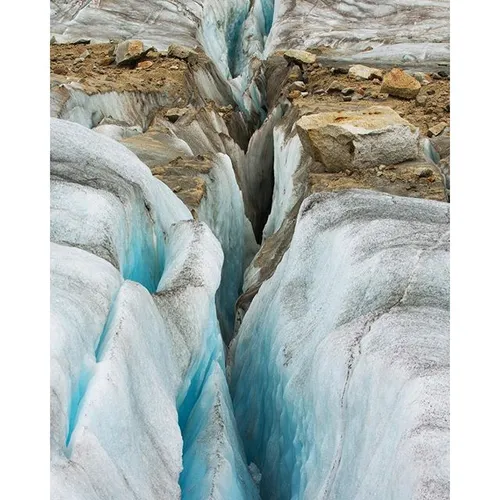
129,51
398,83
364,72
354,139
299,56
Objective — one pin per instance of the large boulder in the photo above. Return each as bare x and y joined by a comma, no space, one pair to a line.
364,72
130,51
299,56
398,83
362,138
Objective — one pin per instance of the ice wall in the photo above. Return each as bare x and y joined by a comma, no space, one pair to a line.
339,372
137,380
223,211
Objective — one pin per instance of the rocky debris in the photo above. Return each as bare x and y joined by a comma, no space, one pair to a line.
84,56
422,78
53,40
298,85
415,178
436,129
173,114
364,72
441,144
180,51
421,100
130,51
294,94
299,57
398,83
361,138
144,64
294,74
347,91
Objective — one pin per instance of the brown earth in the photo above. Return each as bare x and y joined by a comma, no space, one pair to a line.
93,67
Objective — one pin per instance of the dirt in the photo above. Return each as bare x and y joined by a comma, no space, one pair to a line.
437,94
93,67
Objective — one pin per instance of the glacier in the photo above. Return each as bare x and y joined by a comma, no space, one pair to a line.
340,372
236,336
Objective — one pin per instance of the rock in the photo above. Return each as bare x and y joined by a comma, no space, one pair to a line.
364,72
174,67
294,94
377,81
400,84
347,98
294,74
173,114
53,40
304,94
353,139
340,71
298,85
335,86
59,69
129,51
180,51
383,95
299,56
436,129
421,100
319,92
347,91
422,78
83,56
145,64
447,108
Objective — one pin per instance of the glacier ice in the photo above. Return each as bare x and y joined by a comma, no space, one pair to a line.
137,370
339,372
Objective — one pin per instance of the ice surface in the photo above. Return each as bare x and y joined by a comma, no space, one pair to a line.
137,380
340,368
396,31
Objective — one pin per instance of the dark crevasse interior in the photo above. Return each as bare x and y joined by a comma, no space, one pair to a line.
196,386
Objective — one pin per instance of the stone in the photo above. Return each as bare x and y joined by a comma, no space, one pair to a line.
299,56
383,95
298,85
83,56
294,94
364,72
421,100
398,83
294,74
436,129
129,51
431,91
347,98
319,92
173,114
145,64
422,78
335,86
347,91
360,138
53,40
180,51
